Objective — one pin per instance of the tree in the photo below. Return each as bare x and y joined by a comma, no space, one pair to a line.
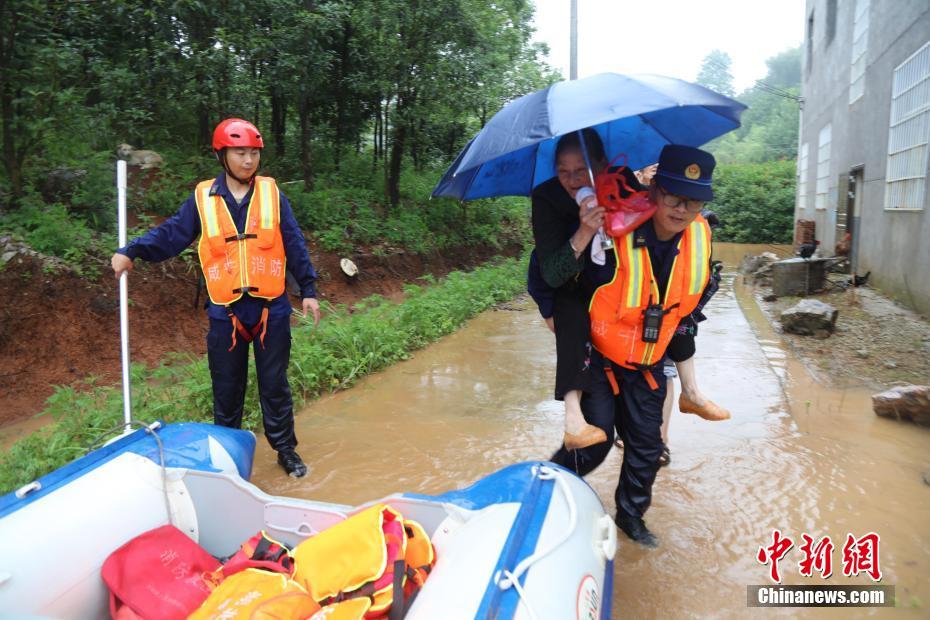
785,69
34,64
715,73
77,78
769,127
755,202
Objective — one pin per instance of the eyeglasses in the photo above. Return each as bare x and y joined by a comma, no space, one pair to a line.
571,175
672,201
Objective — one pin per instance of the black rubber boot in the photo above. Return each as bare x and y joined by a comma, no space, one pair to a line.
636,529
292,463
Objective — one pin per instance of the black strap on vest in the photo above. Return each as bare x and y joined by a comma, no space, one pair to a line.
240,237
245,289
397,600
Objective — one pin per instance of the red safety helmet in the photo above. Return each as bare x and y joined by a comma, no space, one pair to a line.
236,132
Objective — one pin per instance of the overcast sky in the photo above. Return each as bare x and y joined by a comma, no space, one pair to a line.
670,37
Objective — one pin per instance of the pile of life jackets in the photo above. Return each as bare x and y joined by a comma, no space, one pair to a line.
372,565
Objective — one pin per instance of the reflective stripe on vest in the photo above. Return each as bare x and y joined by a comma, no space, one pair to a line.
253,262
617,307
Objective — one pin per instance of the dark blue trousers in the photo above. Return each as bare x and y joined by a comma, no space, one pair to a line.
636,416
229,372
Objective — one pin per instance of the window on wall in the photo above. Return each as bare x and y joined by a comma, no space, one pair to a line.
802,177
831,21
909,133
859,48
823,167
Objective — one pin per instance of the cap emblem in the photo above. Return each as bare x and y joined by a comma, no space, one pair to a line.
693,172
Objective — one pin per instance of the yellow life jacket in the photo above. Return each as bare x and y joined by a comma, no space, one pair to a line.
365,556
352,609
235,263
617,308
256,594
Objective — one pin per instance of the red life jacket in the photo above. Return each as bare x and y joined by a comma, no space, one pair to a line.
158,575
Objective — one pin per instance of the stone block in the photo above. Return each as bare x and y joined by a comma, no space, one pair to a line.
810,318
907,402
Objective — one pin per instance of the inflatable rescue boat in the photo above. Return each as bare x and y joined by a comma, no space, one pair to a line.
529,541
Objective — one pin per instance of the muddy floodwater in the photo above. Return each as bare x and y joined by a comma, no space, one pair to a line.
796,457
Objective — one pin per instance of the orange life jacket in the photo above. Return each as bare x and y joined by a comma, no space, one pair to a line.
235,263
617,308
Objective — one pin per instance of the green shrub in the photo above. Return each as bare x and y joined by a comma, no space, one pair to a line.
342,218
94,199
165,195
346,211
755,202
50,230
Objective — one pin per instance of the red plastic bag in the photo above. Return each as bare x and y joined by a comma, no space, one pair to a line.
626,207
158,575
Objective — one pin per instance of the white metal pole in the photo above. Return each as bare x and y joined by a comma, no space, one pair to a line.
573,43
123,293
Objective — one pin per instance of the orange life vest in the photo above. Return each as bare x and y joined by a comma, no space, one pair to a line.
617,307
235,263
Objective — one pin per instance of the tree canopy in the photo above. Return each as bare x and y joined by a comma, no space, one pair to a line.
769,128
403,78
754,184
715,73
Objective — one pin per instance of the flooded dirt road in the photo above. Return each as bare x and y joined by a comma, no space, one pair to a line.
796,457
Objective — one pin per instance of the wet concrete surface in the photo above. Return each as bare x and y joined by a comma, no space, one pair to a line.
795,457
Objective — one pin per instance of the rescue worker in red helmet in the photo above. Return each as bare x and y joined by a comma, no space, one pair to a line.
247,239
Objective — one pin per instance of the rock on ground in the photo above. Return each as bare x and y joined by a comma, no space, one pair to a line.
758,268
753,263
810,318
908,402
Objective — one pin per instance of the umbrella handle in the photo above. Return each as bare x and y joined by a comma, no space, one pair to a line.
584,153
607,241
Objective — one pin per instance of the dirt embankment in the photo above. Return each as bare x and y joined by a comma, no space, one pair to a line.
58,328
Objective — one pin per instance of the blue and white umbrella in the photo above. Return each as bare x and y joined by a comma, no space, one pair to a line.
636,115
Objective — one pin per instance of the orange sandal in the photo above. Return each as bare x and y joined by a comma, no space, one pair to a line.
708,411
590,436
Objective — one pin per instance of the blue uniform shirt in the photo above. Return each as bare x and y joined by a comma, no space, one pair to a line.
181,229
